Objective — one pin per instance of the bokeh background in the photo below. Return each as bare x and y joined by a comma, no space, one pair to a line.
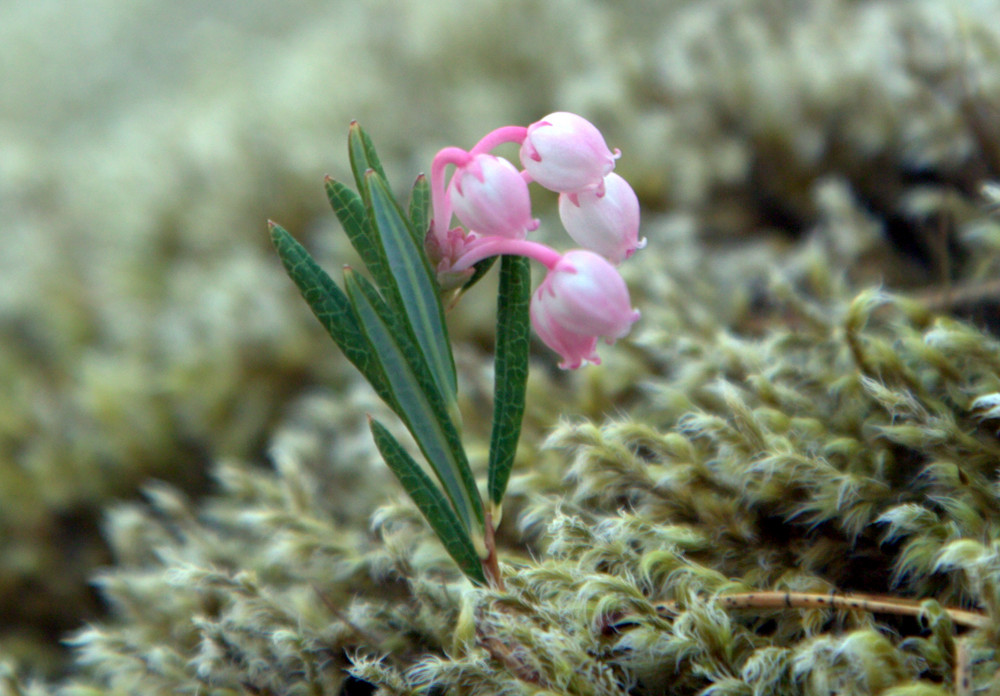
147,331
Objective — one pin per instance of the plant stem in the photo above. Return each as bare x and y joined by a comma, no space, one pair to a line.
507,134
491,565
948,297
485,247
440,203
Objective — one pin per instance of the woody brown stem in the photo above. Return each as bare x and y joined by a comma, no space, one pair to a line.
491,565
807,600
949,297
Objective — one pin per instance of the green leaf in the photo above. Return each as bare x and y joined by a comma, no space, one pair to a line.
363,157
416,294
333,309
420,209
480,270
510,370
350,210
420,404
431,503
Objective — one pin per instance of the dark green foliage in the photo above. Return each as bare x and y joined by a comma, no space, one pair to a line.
394,332
333,309
510,370
420,404
426,496
412,290
420,209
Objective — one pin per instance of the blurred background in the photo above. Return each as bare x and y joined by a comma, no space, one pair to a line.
147,328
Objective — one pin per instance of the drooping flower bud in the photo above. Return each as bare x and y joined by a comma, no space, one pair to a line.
608,223
575,349
566,153
490,197
582,297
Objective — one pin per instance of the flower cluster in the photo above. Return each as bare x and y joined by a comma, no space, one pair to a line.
583,297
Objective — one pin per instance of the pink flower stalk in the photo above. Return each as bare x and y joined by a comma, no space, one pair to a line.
506,134
582,299
566,153
490,197
440,200
479,248
442,240
607,222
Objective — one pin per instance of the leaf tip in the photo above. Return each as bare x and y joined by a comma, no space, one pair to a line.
275,231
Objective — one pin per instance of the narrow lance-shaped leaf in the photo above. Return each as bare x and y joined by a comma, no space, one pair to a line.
479,271
353,216
431,503
420,404
510,370
417,296
420,209
363,157
333,309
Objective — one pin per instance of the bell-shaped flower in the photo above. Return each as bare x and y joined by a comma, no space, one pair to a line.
582,298
607,223
566,153
490,197
575,349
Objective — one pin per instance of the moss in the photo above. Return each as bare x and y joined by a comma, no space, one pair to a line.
847,446
773,426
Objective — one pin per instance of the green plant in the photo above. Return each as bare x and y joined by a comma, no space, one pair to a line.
392,329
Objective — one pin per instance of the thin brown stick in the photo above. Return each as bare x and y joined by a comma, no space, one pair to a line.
808,600
949,297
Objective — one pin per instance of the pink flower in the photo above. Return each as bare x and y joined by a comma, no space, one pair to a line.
566,153
575,349
581,299
490,197
607,223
